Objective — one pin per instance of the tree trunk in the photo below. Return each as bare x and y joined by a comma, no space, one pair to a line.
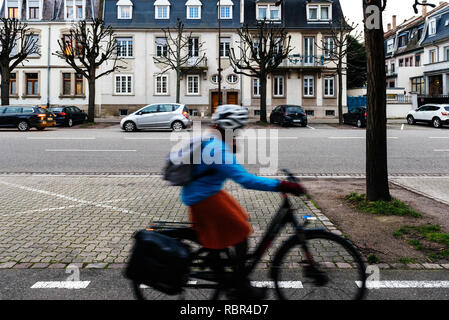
91,108
340,94
5,85
178,86
263,98
376,135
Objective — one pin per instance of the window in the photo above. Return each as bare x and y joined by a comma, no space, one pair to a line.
193,84
309,86
256,87
407,62
268,12
33,9
393,68
310,113
411,61
123,84
194,12
124,9
33,45
402,41
432,27
401,62
79,84
162,84
32,84
161,47
329,47
329,86
418,85
418,60
214,79
278,86
13,8
232,78
124,47
194,50
446,53
432,56
68,46
330,113
74,9
390,45
162,12
309,50
13,84
322,12
66,84
225,47
225,11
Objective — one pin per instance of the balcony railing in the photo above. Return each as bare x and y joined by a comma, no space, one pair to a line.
301,61
194,62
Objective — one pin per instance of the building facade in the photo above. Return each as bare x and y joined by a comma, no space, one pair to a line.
44,79
307,78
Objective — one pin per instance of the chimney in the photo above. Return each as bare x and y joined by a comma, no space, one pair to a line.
424,8
394,22
389,27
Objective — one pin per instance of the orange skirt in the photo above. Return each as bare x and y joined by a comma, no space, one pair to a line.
220,222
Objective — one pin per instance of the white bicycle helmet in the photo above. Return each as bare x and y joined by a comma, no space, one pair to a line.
230,117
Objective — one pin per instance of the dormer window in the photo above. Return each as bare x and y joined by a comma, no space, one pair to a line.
124,9
34,10
432,27
225,9
268,11
162,9
193,9
74,9
319,12
13,9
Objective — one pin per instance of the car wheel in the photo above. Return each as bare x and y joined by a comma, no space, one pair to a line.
129,126
410,120
23,126
436,122
70,123
177,126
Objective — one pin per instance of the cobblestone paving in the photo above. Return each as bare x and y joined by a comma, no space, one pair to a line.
53,221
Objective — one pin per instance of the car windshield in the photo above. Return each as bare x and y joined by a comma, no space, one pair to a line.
40,110
56,109
294,110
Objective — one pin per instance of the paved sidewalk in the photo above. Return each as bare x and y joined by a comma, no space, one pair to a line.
434,188
49,221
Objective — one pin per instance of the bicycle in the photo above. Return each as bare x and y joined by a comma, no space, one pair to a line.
303,264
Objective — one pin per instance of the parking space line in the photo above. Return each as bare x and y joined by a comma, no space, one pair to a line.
405,284
311,127
438,137
441,150
354,138
59,138
282,284
61,285
97,204
86,150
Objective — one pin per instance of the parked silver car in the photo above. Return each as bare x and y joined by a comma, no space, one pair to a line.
158,116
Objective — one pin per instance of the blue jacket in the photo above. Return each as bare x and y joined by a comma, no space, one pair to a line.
205,187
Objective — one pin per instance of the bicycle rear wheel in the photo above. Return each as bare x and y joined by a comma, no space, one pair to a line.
295,279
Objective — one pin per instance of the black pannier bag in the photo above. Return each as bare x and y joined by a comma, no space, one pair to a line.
159,261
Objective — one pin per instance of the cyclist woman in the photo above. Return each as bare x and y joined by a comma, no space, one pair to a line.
219,220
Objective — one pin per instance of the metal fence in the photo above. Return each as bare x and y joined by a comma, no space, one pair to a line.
440,99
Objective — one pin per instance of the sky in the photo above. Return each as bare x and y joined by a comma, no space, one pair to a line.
353,10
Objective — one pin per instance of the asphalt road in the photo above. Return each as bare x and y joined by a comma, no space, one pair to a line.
320,149
112,285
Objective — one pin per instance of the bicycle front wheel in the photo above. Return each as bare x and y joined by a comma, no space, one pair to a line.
337,274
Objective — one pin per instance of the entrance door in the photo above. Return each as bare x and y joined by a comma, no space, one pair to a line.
233,98
436,85
214,101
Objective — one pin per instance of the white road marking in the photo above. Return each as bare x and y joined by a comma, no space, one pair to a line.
441,150
438,137
402,127
282,284
59,138
350,138
52,194
311,127
61,285
191,283
405,284
85,150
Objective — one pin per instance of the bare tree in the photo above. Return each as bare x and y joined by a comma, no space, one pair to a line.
178,53
336,47
89,45
17,43
262,49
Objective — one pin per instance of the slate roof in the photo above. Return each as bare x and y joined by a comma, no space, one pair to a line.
442,33
53,10
293,13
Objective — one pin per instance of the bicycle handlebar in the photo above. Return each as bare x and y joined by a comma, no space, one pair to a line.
290,176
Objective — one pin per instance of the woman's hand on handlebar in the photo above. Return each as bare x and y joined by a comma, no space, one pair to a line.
295,189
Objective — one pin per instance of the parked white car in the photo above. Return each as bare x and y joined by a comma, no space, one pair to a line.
435,114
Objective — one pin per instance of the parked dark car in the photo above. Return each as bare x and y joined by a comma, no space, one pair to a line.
356,116
25,117
289,115
68,115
